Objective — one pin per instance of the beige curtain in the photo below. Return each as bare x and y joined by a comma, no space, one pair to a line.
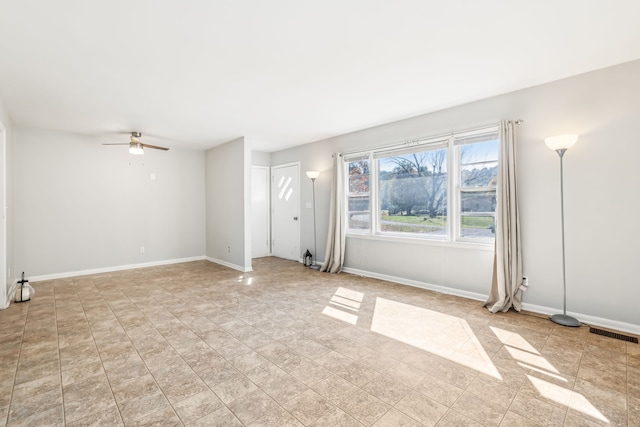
507,258
334,255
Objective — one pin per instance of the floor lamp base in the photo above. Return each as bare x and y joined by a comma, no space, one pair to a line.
564,320
314,267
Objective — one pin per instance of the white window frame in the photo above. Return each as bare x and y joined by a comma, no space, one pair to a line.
458,185
454,213
346,160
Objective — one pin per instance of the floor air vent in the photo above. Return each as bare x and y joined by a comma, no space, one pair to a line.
613,335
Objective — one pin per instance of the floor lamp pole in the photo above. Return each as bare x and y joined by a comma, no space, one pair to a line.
563,319
313,265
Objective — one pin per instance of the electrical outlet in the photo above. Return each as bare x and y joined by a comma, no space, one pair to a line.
524,286
141,249
228,249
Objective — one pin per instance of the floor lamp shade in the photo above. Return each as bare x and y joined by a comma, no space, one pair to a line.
313,175
560,144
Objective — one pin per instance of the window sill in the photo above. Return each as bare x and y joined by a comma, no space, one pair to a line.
480,246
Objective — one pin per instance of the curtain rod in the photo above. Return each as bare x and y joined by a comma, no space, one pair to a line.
424,138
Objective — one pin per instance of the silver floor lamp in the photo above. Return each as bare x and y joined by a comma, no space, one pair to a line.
312,176
560,144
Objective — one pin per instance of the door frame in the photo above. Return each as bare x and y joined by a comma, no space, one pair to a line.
273,187
3,205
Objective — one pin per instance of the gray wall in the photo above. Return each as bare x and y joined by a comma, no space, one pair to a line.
227,188
81,205
260,158
601,206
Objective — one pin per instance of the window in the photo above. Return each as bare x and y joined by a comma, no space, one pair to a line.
440,188
478,168
359,200
413,190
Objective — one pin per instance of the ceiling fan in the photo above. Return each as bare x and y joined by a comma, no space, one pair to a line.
137,147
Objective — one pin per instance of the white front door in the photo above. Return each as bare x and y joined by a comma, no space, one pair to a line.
285,206
259,211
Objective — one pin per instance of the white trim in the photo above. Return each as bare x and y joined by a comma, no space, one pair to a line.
316,262
584,318
3,206
286,165
587,319
230,265
112,269
417,240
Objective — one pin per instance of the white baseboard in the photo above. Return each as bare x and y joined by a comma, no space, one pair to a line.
11,291
585,318
230,265
112,269
320,263
417,284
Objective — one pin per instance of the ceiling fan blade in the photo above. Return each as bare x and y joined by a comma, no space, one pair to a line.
155,147
118,143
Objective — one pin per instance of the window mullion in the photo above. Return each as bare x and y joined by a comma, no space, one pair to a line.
373,187
454,196
345,196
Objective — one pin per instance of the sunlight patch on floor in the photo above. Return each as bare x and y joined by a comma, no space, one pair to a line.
344,299
431,331
530,358
340,315
566,397
248,281
549,374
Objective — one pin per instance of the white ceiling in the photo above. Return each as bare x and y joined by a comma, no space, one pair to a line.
199,73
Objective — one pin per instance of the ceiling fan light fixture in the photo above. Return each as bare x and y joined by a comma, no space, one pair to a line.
135,147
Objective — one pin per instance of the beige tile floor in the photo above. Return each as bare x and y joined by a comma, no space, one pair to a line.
200,344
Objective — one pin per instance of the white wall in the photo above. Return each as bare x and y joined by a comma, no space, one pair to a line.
228,181
84,206
601,202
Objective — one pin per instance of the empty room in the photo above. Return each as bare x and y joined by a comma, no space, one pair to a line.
305,213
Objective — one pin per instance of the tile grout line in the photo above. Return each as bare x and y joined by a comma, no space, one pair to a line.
97,348
141,358
55,313
15,376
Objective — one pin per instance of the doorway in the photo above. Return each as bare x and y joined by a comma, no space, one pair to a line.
260,236
285,207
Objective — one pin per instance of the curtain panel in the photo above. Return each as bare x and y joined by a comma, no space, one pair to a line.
334,254
507,259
